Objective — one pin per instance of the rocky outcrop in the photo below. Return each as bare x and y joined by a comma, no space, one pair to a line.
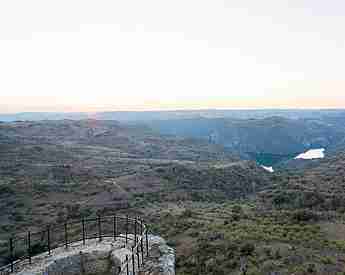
106,257
162,258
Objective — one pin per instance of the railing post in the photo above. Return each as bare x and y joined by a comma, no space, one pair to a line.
127,264
99,229
135,231
29,246
147,244
142,249
133,261
66,236
114,227
48,238
83,226
138,258
11,254
126,229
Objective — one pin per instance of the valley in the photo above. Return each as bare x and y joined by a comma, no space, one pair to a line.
212,201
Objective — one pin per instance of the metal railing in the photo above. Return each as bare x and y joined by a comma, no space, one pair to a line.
21,249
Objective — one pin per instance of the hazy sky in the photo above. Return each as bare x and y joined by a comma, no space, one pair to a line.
93,55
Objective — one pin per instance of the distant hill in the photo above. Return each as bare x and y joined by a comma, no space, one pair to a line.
270,137
267,140
135,116
128,141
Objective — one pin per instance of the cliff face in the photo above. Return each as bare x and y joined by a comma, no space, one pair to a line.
103,258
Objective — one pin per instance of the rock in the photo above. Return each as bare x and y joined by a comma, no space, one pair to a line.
118,257
162,257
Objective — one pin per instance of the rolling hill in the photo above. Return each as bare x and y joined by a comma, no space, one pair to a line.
55,169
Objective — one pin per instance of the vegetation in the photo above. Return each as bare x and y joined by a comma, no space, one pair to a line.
222,214
213,240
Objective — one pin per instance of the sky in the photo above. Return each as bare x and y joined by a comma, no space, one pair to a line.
73,55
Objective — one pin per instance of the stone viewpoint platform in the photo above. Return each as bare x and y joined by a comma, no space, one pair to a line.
102,258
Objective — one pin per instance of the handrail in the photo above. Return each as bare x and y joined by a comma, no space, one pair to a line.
24,247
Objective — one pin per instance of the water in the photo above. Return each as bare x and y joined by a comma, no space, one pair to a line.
269,169
312,154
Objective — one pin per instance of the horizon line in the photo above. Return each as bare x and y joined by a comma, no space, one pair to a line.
182,110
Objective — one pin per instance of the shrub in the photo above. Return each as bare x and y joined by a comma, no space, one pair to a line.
187,213
247,249
311,268
304,216
327,260
5,189
237,209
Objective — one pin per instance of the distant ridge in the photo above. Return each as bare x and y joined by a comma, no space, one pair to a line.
175,114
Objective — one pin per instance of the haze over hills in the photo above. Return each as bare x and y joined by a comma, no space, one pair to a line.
270,137
178,114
